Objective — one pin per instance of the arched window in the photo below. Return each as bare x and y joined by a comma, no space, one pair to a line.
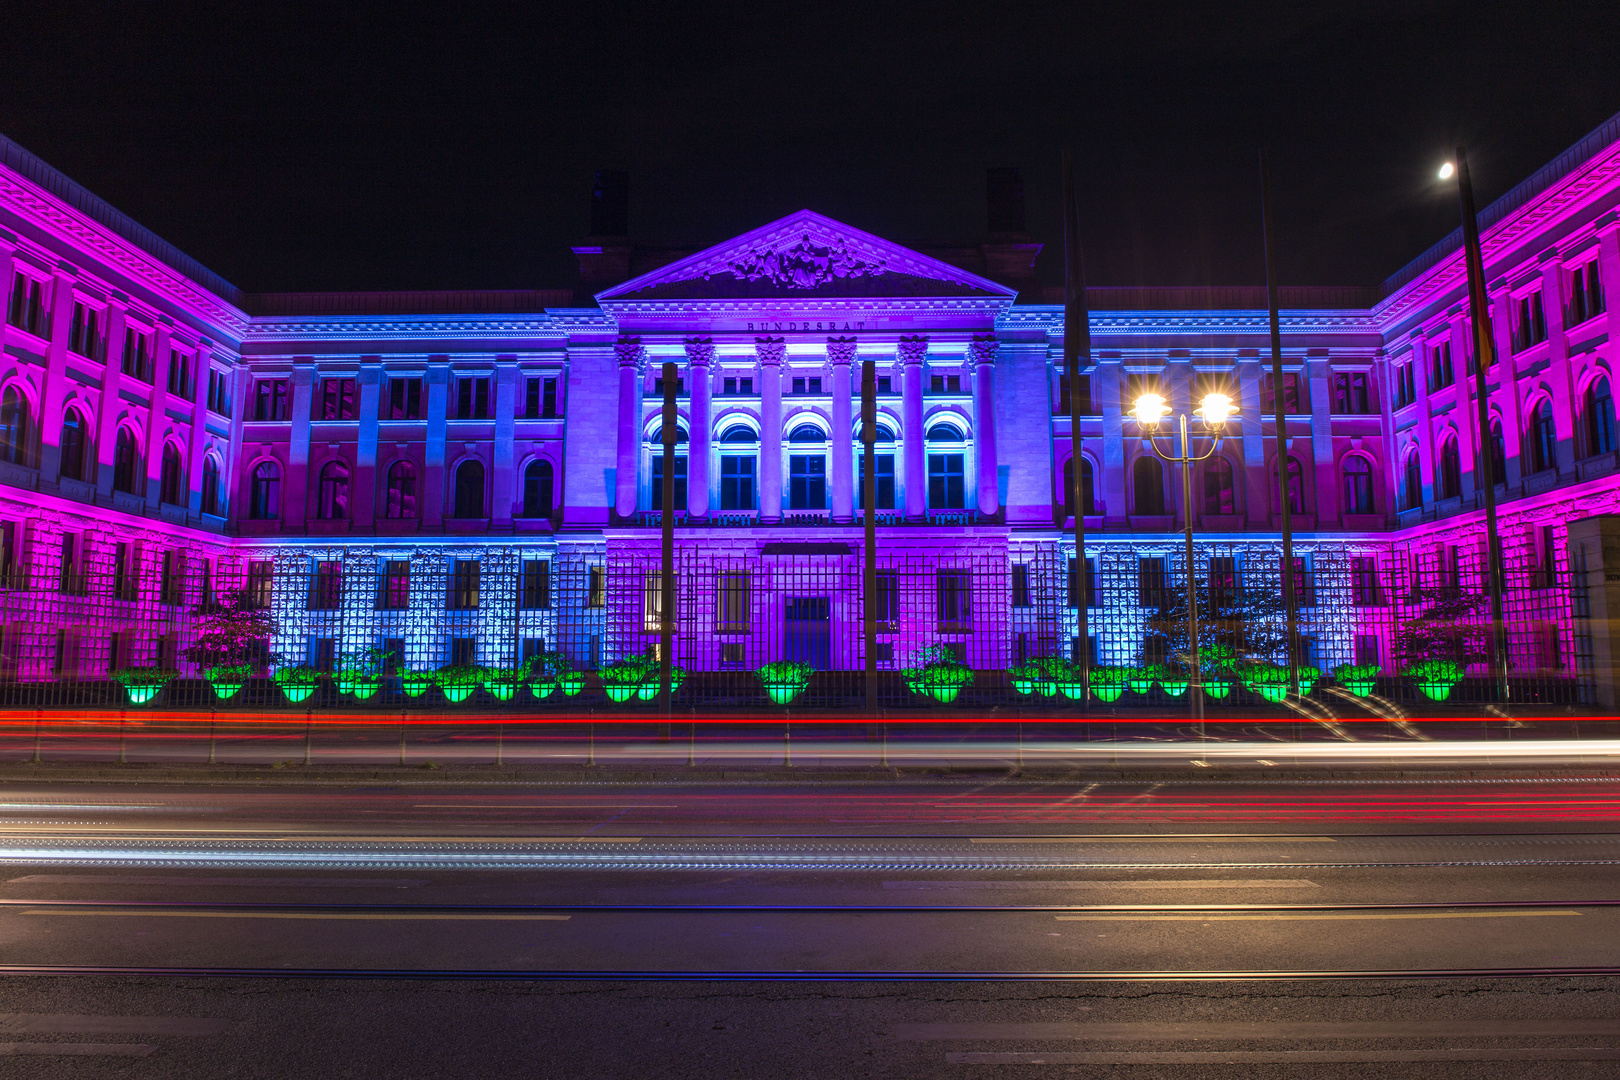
807,433
210,485
883,475
333,504
400,501
1498,454
739,464
1599,417
1147,483
1088,493
655,485
171,478
126,463
1543,438
537,489
1219,494
947,469
739,435
1412,483
15,429
264,498
1296,489
1450,477
1358,489
470,489
72,444
657,437
944,433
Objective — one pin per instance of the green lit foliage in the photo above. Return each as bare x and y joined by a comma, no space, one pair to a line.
1240,624
936,672
784,680
233,634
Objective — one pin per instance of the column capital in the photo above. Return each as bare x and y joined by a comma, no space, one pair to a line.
699,351
982,349
841,350
771,351
912,350
630,352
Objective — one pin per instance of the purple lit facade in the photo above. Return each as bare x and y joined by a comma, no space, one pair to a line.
159,425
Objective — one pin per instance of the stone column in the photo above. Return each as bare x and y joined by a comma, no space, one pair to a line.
982,357
770,352
157,415
913,351
436,384
1593,551
57,384
841,352
631,359
699,357
505,483
1609,270
295,484
1252,426
111,380
1320,467
197,448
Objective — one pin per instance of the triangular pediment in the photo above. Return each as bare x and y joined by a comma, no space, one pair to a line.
805,255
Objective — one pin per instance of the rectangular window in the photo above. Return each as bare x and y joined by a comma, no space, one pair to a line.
260,574
1549,556
322,654
172,588
464,580
736,604
536,584
733,654
887,613
404,400
394,590
1405,388
548,398
883,481
1072,594
137,359
270,397
27,308
728,386
127,571
1223,579
393,655
1442,372
1294,401
1304,582
652,602
463,651
936,384
472,397
658,386
947,489
1530,328
1364,590
656,492
337,400
1150,582
1065,406
326,587
531,399
737,482
1366,646
885,384
1350,394
181,382
1585,293
807,482
219,392
1020,585
87,336
596,587
69,567
952,592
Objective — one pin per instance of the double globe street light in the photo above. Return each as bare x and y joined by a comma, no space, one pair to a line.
1214,410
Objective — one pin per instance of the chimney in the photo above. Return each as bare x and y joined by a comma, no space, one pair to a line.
604,257
1004,191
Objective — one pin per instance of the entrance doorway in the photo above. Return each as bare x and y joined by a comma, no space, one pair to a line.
807,630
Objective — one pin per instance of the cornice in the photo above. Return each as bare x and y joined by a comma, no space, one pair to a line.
45,211
1169,323
419,327
811,306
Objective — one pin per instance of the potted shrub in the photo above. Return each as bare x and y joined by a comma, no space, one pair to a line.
938,674
143,683
544,673
1171,681
458,681
1215,664
1108,682
1028,677
1060,676
503,682
784,680
1435,677
1140,679
1270,681
415,683
297,682
228,679
360,673
648,690
622,679
1309,676
1357,678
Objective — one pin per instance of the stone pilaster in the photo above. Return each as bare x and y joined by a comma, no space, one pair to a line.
1594,563
363,493
632,358
982,360
841,353
699,361
295,485
913,351
771,352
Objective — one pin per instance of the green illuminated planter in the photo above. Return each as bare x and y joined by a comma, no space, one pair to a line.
1309,676
1024,686
141,694
297,692
784,680
1108,683
542,688
1074,689
228,680
297,683
784,693
457,692
502,689
415,684
1435,678
1358,679
571,683
142,684
1217,688
227,690
1175,688
620,691
361,687
458,682
1140,681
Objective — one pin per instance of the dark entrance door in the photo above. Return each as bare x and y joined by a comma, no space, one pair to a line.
808,631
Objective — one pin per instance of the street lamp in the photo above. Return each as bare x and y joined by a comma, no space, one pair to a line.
1214,410
1484,358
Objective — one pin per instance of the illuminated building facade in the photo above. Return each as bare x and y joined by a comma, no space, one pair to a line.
465,477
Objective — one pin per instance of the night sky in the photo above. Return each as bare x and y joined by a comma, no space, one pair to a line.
347,146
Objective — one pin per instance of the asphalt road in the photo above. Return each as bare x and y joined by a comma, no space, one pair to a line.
906,928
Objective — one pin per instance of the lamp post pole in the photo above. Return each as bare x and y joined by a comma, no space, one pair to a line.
1285,510
1076,358
1484,358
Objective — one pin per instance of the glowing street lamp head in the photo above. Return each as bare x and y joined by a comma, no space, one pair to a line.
1149,409
1215,408
1447,171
